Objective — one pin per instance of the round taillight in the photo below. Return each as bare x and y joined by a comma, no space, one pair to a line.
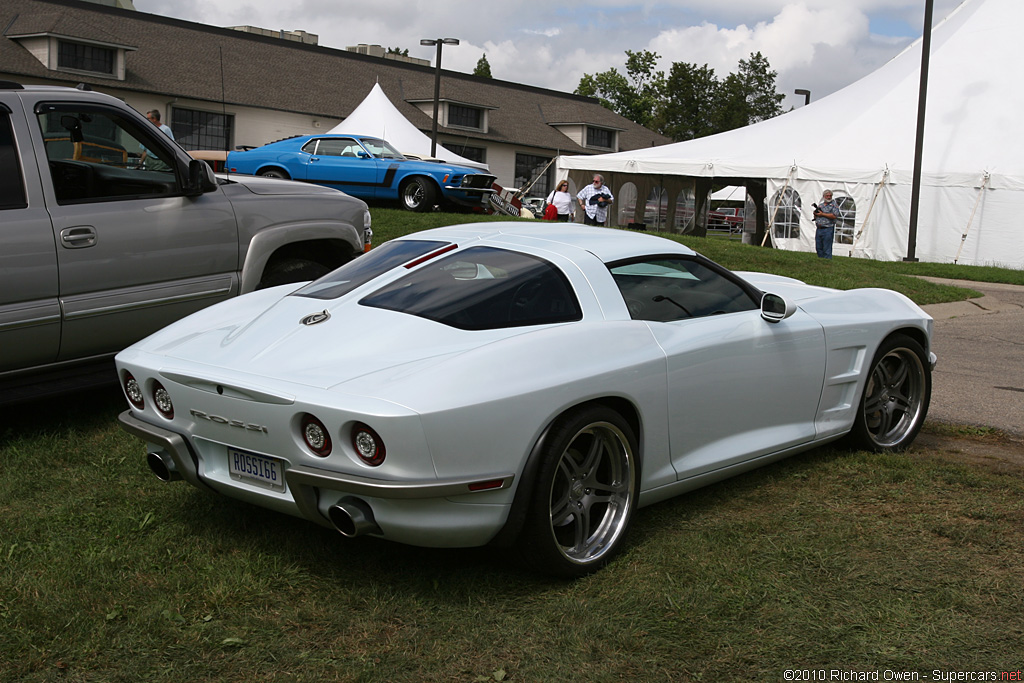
368,444
315,434
162,401
133,391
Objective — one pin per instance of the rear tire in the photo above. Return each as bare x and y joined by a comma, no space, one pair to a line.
275,173
419,194
584,495
896,395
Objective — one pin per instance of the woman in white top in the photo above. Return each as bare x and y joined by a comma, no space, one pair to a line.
562,200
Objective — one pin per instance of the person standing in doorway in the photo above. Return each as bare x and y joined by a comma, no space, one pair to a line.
826,215
595,199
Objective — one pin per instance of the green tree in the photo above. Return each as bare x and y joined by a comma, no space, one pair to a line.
483,67
690,93
398,51
637,95
758,82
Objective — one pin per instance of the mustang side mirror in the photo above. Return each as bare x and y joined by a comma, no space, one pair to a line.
775,308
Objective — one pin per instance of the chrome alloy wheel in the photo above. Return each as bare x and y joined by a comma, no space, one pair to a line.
591,496
895,398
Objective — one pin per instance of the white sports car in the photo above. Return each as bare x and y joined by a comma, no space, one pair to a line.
518,384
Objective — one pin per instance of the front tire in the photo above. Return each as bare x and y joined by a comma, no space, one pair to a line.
895,398
419,194
584,495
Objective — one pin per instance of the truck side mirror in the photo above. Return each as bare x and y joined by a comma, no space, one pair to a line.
200,178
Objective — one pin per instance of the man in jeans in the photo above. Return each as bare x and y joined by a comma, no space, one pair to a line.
594,200
825,216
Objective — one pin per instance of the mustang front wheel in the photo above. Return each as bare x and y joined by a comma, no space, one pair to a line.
584,495
419,194
896,396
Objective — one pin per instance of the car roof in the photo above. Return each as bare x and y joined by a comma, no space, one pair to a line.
607,244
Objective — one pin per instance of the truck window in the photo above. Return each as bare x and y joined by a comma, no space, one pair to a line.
99,154
12,184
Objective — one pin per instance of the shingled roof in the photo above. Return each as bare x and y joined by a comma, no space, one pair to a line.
189,60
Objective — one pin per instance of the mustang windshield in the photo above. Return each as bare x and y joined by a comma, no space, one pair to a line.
482,288
359,271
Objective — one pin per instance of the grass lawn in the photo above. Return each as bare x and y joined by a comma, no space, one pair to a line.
829,560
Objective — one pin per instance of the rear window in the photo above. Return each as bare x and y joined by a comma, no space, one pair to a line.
359,271
483,288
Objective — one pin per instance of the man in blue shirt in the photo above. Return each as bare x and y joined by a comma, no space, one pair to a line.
826,215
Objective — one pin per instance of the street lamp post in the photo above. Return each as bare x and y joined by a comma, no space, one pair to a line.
806,93
437,84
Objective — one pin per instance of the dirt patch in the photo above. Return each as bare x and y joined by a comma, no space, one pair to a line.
997,451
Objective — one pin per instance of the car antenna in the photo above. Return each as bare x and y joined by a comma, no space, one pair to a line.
224,112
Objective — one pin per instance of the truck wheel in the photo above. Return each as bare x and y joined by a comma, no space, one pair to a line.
291,270
419,194
275,173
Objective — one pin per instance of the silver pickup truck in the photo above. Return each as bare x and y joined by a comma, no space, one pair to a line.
110,231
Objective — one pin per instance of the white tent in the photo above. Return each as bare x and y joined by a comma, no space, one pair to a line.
377,116
860,141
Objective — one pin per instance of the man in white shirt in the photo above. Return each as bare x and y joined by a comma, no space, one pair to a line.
595,199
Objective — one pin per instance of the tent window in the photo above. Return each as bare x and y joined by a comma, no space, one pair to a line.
625,198
656,210
847,218
784,211
686,209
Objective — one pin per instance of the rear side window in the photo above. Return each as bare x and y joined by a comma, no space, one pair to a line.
483,288
12,183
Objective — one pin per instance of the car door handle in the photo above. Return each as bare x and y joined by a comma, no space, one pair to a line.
79,237
312,159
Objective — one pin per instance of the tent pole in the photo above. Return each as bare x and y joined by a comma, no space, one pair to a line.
963,238
915,192
867,217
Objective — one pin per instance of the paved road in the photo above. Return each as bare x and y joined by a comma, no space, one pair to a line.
979,379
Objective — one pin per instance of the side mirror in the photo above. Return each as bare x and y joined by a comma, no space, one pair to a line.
363,155
200,178
775,308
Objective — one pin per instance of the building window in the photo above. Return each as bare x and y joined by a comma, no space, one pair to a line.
465,117
599,137
85,58
528,168
477,154
201,129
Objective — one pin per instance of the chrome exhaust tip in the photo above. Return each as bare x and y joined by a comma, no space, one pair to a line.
163,466
352,517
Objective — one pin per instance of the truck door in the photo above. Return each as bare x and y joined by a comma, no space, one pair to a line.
29,309
134,253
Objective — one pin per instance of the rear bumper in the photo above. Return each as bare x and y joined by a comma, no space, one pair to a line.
454,512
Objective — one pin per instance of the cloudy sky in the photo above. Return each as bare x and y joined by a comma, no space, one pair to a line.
820,45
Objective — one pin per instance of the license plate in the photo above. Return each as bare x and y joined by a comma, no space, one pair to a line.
256,469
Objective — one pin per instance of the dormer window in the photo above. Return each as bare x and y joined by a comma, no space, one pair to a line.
81,53
465,117
601,138
80,57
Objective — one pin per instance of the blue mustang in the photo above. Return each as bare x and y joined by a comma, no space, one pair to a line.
365,167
